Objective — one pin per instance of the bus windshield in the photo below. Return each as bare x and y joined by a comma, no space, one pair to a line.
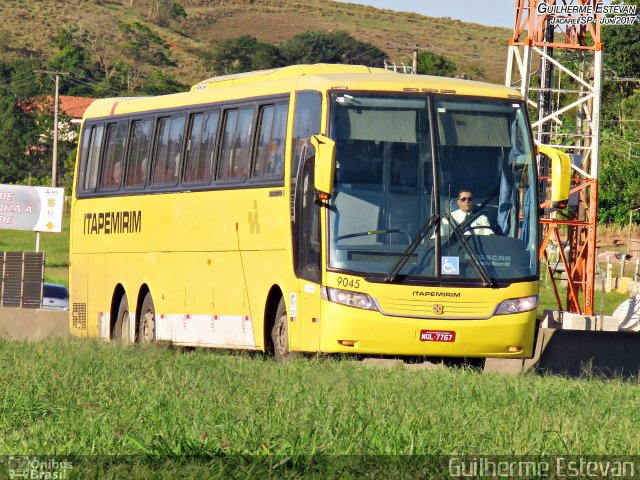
471,210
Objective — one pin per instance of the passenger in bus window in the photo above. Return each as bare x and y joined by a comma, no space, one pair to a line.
172,169
116,174
275,164
142,177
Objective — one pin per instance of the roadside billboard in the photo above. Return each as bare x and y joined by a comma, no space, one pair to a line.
31,208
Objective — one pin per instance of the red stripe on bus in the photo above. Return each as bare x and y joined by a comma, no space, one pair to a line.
113,109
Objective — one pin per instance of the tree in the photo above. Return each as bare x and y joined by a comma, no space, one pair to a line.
73,58
476,72
619,187
630,120
622,50
161,83
433,64
163,11
145,46
242,54
326,47
21,152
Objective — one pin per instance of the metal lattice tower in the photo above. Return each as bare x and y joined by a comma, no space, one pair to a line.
556,61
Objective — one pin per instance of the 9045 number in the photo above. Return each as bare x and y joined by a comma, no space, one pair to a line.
347,282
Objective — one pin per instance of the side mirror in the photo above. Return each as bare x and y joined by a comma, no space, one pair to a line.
325,164
560,175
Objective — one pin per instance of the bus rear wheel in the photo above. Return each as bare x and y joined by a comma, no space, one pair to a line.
122,326
280,333
147,328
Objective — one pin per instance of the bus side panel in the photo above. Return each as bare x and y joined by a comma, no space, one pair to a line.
98,300
200,299
263,271
78,293
263,220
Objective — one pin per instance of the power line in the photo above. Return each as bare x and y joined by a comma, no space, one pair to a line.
623,79
18,78
93,83
362,54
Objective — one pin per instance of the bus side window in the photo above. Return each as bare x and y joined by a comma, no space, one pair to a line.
200,155
139,151
269,160
85,146
89,170
306,122
307,238
169,139
236,144
113,159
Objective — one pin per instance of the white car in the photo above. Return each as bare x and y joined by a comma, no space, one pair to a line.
55,297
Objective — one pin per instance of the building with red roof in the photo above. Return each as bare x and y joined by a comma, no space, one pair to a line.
73,107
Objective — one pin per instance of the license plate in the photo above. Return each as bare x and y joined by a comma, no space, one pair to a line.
437,336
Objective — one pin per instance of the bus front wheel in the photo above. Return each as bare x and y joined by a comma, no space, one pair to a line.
121,328
280,333
146,331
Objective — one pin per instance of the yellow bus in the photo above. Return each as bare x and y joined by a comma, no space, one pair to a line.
311,208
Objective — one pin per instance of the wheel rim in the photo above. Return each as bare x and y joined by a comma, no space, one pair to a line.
147,327
124,322
281,336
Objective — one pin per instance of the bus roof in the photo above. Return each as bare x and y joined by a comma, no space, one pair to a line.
299,77
291,71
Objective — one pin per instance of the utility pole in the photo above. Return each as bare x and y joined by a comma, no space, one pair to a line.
412,48
54,162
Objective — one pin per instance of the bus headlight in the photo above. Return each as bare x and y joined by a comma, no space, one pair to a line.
517,305
352,299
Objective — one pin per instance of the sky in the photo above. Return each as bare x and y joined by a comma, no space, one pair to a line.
496,13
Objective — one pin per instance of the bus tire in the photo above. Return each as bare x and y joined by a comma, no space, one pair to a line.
280,333
121,328
147,326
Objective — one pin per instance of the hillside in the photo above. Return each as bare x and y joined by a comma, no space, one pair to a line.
26,29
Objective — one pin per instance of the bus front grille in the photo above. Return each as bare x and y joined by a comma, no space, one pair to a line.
436,309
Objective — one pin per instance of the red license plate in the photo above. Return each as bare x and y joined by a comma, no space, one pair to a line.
437,336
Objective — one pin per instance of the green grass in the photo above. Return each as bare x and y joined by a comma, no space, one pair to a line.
55,246
85,397
548,300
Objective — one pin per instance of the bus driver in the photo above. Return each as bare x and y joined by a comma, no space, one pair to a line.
479,226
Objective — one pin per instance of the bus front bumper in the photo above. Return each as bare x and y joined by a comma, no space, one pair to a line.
350,330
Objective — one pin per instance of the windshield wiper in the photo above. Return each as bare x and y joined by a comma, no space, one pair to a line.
457,233
406,255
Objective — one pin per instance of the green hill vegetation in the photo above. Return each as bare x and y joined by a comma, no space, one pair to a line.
191,28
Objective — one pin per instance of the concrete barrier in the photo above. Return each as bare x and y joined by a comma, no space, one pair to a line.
33,325
574,353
